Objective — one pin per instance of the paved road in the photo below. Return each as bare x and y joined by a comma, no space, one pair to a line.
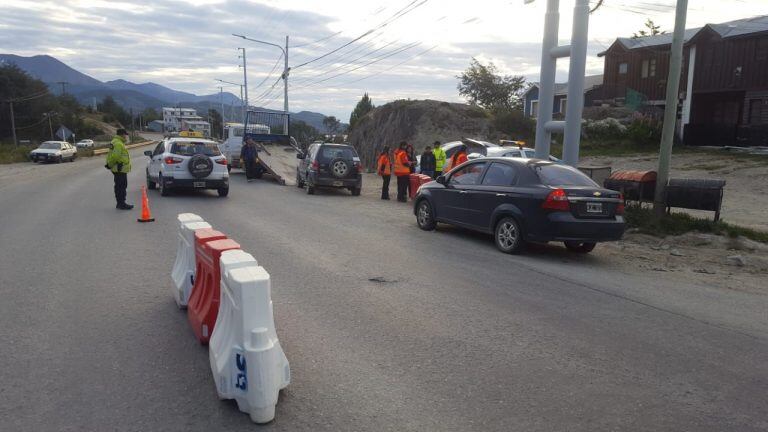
458,337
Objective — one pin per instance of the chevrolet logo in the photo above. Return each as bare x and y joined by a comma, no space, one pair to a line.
597,194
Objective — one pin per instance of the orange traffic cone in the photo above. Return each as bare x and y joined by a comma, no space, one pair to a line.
146,215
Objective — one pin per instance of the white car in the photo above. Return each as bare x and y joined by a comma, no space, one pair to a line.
86,143
54,151
187,163
518,152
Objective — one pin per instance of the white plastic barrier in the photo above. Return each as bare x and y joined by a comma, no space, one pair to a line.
247,361
184,267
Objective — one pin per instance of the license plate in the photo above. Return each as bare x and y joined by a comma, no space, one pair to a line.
594,207
198,184
338,183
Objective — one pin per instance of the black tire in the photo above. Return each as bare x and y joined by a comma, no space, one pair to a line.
508,236
580,247
223,191
299,181
164,191
73,158
310,189
150,184
425,216
355,191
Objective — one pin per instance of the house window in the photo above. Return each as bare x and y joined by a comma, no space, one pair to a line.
644,69
652,67
623,68
563,105
534,109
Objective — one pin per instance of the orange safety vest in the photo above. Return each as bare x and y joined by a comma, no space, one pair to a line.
401,163
386,169
455,160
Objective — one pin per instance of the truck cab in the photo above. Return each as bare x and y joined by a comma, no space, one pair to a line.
233,140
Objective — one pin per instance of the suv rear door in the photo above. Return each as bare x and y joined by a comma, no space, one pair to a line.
338,161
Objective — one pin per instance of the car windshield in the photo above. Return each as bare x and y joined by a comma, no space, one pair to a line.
50,145
190,148
336,152
561,175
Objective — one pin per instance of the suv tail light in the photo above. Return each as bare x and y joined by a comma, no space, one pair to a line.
170,160
359,167
315,165
620,206
557,200
222,161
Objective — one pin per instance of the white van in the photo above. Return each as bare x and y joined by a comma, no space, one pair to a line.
233,140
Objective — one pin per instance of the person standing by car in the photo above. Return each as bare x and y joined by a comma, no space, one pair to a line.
457,159
248,155
439,158
411,158
119,162
384,168
428,163
402,172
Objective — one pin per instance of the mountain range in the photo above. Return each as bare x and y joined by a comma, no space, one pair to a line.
128,94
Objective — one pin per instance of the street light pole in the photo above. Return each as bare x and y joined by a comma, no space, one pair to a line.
50,125
670,108
13,124
245,77
285,70
221,99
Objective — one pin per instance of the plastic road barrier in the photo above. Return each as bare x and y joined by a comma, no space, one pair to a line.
204,301
416,180
247,361
183,274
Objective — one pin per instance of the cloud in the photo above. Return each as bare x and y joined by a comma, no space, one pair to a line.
186,44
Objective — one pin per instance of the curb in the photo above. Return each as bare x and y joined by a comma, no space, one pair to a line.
129,146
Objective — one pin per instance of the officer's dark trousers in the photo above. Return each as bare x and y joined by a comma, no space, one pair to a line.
121,184
402,188
250,169
385,187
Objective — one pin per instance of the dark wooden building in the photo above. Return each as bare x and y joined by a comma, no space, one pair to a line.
725,67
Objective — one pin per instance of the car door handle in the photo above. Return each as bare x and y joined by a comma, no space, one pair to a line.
501,195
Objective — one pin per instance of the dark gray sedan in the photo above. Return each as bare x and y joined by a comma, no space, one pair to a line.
523,200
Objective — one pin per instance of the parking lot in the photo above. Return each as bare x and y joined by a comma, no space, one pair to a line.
387,327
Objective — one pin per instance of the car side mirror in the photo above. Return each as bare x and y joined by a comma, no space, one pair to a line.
441,179
148,153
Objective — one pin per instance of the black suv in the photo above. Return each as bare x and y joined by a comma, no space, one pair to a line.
329,165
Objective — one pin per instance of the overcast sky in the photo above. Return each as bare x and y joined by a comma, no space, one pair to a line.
186,44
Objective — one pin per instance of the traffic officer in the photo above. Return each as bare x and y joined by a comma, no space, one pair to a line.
439,158
119,162
402,172
384,168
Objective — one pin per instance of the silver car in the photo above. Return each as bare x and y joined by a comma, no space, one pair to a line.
54,151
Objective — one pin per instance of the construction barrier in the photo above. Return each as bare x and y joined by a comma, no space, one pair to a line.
416,180
247,361
183,273
204,301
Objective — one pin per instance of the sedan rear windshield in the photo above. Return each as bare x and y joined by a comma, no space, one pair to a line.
191,148
50,145
561,175
337,152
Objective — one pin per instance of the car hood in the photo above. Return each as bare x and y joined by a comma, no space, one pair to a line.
45,151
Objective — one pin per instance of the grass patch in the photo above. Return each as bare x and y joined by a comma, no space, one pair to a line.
10,153
606,148
681,223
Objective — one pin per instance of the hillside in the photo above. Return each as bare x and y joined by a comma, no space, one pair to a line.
419,122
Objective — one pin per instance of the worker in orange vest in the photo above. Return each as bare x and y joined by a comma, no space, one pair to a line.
457,159
384,168
402,172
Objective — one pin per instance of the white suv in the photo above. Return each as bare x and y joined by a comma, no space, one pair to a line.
187,162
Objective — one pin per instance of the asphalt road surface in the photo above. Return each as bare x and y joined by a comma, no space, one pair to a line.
386,327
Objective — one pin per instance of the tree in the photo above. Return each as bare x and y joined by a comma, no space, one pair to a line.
363,107
482,86
303,133
332,125
216,125
651,29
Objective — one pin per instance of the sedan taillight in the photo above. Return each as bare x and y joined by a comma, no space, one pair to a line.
620,206
170,160
557,200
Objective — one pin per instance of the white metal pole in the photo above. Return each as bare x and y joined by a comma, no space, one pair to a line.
285,89
575,102
221,99
670,108
245,78
547,78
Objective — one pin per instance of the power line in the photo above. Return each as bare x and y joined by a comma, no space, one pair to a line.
394,66
347,63
399,14
270,72
318,41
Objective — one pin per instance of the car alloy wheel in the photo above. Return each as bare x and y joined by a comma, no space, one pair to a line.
424,216
339,168
507,236
161,186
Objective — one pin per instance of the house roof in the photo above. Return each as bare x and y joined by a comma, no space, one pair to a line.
725,30
590,82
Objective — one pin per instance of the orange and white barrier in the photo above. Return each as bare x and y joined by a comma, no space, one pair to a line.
183,272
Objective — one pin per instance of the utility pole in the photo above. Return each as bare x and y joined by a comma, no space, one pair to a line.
550,52
670,109
221,99
245,77
13,124
50,125
285,88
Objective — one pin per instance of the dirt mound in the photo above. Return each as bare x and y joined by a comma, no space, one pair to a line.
420,122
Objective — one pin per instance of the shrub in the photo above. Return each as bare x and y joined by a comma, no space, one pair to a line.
644,131
513,124
608,128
